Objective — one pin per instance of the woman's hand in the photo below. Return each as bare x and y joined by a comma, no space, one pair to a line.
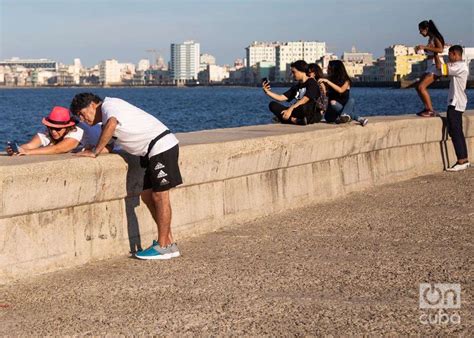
322,80
419,47
22,151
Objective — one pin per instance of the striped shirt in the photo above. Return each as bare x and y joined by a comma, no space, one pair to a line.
458,73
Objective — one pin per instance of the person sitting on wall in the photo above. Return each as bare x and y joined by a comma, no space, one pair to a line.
62,135
304,94
341,105
315,72
140,134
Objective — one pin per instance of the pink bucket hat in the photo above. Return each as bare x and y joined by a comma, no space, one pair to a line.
59,117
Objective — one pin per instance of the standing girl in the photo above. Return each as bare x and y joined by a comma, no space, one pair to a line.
435,46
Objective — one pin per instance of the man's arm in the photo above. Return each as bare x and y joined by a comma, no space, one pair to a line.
106,135
287,112
276,97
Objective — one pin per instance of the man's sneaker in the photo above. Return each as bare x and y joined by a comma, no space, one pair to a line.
343,119
459,167
155,251
363,122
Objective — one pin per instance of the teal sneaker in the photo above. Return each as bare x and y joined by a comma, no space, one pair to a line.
155,251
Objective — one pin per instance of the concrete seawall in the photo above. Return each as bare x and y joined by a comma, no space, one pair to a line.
63,211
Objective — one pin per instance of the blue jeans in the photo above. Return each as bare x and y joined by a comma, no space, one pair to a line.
336,109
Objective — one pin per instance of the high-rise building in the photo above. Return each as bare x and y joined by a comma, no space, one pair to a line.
260,51
355,62
109,72
38,64
399,60
288,52
143,64
184,61
358,57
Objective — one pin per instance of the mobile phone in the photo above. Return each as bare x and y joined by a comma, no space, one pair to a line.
265,80
14,147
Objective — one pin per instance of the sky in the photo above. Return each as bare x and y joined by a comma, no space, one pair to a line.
94,30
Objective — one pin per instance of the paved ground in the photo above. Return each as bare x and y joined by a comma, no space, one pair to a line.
350,266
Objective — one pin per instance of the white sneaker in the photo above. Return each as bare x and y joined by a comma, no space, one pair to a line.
363,122
459,167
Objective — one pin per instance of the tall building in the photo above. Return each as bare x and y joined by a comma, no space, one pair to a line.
143,64
355,62
109,71
184,61
288,52
358,57
399,60
39,64
205,60
260,51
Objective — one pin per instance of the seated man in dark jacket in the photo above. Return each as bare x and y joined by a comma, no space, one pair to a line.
304,110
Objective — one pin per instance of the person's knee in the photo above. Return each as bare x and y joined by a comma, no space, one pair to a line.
333,102
273,106
160,197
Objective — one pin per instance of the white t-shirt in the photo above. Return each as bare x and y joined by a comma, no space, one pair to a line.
458,71
75,134
136,128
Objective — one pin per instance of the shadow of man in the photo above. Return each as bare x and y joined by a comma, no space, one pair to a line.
134,183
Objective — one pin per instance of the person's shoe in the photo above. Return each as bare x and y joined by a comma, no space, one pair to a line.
363,122
155,251
459,167
343,119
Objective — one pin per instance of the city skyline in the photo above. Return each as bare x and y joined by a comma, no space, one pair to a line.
93,31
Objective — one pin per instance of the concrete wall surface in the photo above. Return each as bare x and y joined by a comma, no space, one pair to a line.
62,211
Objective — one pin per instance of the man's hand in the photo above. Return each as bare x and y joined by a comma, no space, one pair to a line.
287,113
86,153
266,86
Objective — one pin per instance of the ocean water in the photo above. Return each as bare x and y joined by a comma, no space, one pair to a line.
191,109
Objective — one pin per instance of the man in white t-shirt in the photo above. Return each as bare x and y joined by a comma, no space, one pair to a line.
458,72
138,133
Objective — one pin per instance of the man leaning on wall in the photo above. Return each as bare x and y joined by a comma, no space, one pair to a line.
140,134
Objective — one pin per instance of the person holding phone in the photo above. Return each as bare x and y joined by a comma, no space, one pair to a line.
303,110
61,136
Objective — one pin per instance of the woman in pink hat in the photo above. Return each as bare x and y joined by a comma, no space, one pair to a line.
61,135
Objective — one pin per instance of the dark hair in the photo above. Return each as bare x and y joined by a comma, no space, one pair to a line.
68,129
338,73
314,68
82,100
456,49
432,30
300,65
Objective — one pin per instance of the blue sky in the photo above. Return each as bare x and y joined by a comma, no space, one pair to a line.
94,30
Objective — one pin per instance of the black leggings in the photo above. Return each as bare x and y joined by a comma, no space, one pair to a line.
276,108
456,133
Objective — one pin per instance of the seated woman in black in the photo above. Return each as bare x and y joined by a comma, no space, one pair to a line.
341,105
303,111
